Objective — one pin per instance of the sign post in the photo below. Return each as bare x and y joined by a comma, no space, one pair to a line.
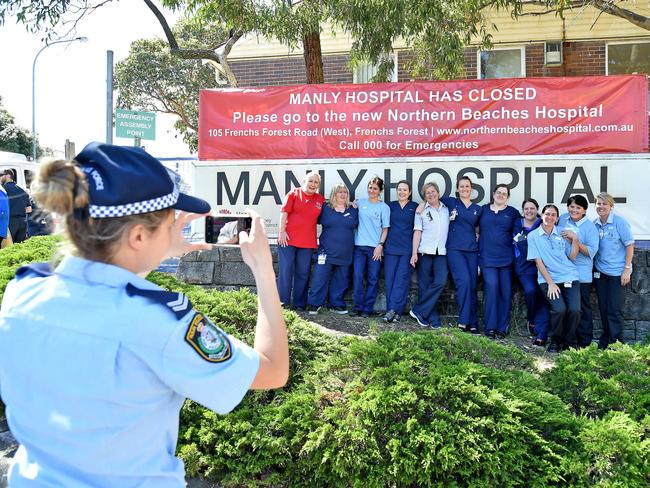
135,125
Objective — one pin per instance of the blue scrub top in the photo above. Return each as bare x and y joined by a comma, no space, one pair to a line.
336,240
373,219
94,375
520,242
554,252
462,225
615,235
588,235
4,213
495,243
400,236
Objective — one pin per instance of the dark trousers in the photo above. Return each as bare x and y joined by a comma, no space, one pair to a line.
536,304
397,274
610,304
18,228
293,275
585,330
365,269
497,297
565,313
328,279
432,278
464,270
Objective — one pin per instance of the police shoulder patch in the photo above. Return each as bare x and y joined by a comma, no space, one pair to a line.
210,342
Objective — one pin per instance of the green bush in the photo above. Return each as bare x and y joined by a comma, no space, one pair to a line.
439,408
597,382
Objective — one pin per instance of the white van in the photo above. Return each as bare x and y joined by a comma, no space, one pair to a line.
23,169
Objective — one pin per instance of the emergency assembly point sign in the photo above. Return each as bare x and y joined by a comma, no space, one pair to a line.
133,124
511,116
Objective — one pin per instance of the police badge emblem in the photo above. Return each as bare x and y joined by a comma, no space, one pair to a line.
210,342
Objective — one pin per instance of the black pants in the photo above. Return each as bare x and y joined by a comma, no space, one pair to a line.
565,314
610,304
585,329
18,228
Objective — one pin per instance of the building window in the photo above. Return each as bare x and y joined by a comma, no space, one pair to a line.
502,63
364,71
629,58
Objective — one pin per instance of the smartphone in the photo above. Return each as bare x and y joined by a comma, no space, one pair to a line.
221,228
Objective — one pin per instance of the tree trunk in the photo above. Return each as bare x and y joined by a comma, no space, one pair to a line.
313,58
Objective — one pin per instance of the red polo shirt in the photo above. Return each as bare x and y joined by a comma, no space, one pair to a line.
302,213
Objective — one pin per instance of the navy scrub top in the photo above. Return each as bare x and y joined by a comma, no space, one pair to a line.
462,225
400,235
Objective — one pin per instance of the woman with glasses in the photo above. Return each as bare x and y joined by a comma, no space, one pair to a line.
331,272
496,257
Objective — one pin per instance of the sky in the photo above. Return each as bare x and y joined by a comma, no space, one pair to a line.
70,78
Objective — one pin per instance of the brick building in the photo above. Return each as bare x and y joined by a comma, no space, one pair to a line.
585,43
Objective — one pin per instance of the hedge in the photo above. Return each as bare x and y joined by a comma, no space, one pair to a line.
437,408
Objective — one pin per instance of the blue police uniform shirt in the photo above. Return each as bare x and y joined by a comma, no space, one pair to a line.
520,242
554,252
336,240
495,243
462,225
373,219
588,235
615,235
400,236
94,378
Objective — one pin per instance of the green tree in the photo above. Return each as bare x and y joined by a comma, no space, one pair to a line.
152,79
14,138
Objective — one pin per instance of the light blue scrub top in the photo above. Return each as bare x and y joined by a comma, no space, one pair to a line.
588,235
554,251
94,377
615,235
373,219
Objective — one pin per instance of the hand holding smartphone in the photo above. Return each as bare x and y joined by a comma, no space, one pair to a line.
224,228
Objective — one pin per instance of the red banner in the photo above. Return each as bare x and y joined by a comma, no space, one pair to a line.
600,114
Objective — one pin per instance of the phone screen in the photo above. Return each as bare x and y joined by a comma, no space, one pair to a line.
224,229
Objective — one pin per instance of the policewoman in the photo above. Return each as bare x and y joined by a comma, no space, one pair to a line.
96,361
496,257
297,240
429,254
613,267
575,221
526,271
369,240
462,252
558,277
331,273
397,252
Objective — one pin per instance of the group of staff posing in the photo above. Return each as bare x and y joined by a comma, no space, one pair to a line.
555,258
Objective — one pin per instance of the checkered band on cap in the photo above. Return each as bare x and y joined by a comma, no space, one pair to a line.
135,208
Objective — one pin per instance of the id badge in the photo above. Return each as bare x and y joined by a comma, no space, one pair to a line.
322,258
597,274
453,214
568,284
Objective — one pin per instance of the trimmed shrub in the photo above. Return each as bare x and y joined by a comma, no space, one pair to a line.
596,382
